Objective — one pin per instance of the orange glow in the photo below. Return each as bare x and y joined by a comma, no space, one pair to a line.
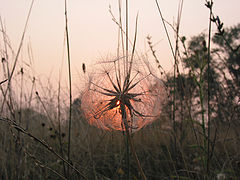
143,99
149,105
118,104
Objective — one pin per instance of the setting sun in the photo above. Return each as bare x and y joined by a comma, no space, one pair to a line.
118,103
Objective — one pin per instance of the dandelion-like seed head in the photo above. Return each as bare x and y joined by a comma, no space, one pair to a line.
123,95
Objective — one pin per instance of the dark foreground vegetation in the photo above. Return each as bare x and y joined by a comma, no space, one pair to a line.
196,136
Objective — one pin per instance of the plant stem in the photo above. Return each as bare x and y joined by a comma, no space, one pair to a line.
59,127
70,88
10,75
43,143
208,80
130,141
127,37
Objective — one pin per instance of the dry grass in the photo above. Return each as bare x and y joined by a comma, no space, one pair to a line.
38,125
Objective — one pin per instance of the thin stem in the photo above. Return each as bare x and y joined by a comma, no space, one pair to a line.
5,48
43,143
127,157
70,88
43,166
3,81
127,37
208,79
129,139
165,28
124,111
134,45
17,55
45,109
203,125
59,126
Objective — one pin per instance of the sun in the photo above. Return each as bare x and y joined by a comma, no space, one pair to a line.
117,104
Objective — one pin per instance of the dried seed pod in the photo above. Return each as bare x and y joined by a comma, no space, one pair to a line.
84,68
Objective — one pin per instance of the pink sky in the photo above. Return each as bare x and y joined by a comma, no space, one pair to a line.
92,32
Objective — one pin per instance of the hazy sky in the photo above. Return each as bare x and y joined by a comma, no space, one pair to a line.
93,34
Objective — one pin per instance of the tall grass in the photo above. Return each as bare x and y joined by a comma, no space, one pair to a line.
178,145
70,88
209,4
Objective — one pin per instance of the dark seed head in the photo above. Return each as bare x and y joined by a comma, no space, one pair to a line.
84,68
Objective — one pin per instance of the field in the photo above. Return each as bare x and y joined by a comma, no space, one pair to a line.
132,120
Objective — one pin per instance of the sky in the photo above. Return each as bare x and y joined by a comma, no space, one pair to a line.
93,34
